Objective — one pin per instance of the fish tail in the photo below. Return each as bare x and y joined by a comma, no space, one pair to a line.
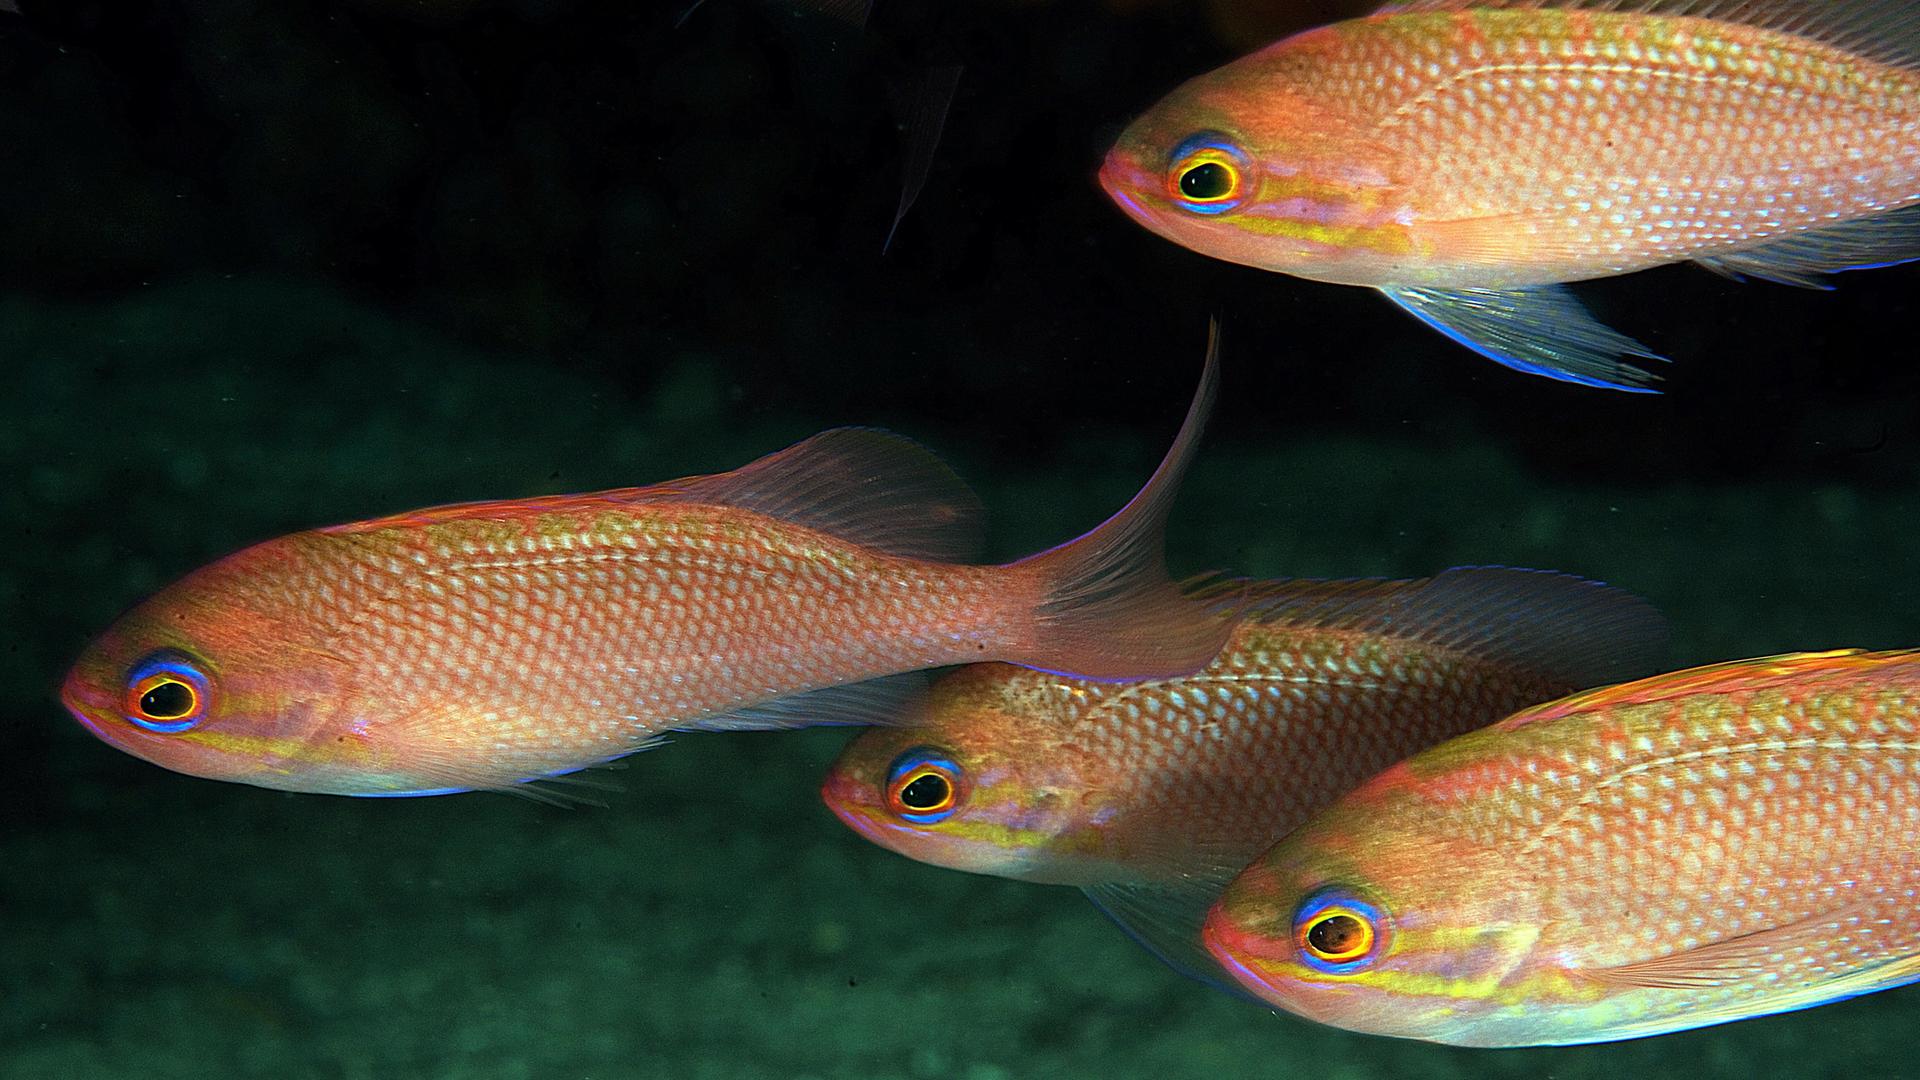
1108,608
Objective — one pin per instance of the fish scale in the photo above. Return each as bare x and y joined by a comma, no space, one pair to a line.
605,584
1469,158
1692,849
1250,780
1534,128
1150,794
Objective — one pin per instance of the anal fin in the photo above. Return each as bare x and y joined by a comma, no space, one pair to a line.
1541,330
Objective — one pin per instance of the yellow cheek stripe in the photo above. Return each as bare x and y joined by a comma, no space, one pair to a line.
986,832
1344,214
975,822
278,755
1530,987
1535,988
1385,239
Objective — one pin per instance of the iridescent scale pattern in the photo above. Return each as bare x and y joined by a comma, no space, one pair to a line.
1284,721
522,646
1570,144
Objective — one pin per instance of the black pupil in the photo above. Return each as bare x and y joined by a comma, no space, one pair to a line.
167,701
1207,180
1334,935
924,792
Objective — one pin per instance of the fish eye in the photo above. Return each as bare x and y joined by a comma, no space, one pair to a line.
923,786
167,693
1207,175
1207,180
1337,932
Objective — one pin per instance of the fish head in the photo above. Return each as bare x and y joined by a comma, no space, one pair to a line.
223,674
985,779
1251,164
1383,915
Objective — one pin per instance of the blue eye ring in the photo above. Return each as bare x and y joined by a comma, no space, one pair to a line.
167,693
1214,155
923,786
1336,932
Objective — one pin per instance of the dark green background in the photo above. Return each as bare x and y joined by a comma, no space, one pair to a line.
271,265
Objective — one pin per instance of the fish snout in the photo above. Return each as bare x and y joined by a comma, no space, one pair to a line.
1125,182
86,702
852,802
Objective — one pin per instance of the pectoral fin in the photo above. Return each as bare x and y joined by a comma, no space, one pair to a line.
1165,920
1734,960
1542,330
1748,958
1804,259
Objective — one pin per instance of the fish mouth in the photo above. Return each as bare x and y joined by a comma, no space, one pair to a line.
1228,943
86,705
841,794
1251,958
1122,178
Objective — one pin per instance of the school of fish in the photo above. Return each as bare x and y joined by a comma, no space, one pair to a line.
1466,809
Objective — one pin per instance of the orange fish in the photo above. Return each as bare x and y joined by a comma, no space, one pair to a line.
1694,848
1468,157
489,644
1150,795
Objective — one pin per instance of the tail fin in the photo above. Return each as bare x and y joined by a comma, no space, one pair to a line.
1109,610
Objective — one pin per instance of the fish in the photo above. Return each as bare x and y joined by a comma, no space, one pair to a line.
1695,848
1469,158
1150,795
492,645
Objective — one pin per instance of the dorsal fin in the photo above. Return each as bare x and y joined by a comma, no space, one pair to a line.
1756,674
869,486
1555,625
1884,30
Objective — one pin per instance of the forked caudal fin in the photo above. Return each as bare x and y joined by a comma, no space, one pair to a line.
1109,610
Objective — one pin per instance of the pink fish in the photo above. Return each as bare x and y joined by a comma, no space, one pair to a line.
489,644
1469,157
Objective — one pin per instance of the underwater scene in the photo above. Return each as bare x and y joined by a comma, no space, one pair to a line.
1030,538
